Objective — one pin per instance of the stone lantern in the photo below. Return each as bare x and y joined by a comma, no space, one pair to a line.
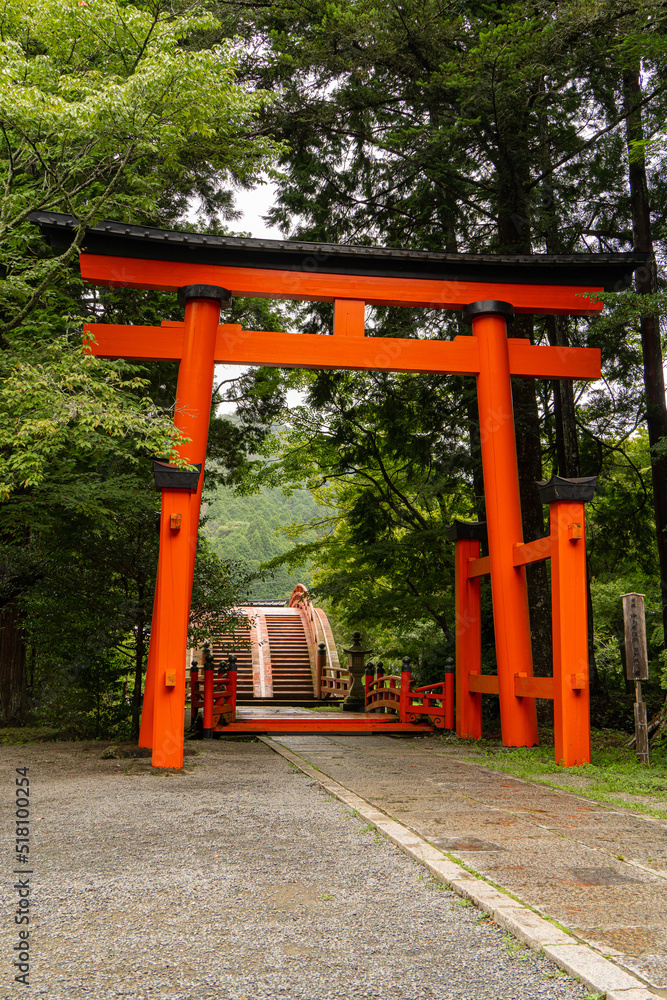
355,700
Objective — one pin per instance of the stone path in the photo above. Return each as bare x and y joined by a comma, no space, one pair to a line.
600,872
237,878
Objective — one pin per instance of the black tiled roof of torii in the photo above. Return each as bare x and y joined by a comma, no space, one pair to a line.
611,271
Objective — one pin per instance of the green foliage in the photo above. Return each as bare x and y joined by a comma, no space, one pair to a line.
87,583
97,101
59,406
253,530
116,109
465,128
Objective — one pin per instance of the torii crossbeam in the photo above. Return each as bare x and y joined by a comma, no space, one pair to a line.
209,270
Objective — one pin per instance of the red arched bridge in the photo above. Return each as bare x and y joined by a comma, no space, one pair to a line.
280,672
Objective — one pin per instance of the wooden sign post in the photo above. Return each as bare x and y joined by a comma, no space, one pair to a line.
636,665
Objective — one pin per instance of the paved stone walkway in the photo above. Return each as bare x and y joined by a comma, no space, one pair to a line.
600,872
237,878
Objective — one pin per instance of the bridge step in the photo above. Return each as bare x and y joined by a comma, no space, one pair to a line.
290,663
288,702
284,665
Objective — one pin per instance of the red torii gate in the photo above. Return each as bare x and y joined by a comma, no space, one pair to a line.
208,270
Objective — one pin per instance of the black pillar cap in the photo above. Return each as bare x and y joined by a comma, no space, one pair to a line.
370,670
558,488
487,307
170,477
475,530
449,666
222,295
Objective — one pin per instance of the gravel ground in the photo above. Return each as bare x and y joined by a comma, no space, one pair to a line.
236,879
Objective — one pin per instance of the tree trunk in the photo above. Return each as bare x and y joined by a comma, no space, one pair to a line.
514,237
567,457
646,284
13,700
139,654
567,440
472,411
529,455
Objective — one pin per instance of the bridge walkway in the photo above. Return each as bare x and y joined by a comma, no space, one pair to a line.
289,678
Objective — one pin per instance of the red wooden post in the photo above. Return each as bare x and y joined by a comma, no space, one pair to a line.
406,684
171,638
449,693
570,624
209,666
232,678
194,690
164,702
321,665
369,676
466,537
518,717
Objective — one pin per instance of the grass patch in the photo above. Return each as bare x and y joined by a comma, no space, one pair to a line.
614,775
19,735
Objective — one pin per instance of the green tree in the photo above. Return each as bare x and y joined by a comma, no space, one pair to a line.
425,128
96,103
374,450
109,108
87,614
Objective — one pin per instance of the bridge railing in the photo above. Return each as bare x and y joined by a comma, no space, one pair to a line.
333,681
391,693
383,693
216,695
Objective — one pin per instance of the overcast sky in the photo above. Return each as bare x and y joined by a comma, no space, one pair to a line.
253,204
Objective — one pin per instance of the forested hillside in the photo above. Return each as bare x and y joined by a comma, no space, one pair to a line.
252,529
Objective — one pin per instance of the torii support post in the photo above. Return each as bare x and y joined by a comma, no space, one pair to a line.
518,717
572,733
568,687
164,703
467,537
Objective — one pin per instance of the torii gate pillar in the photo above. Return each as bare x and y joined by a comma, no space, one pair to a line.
164,697
503,518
